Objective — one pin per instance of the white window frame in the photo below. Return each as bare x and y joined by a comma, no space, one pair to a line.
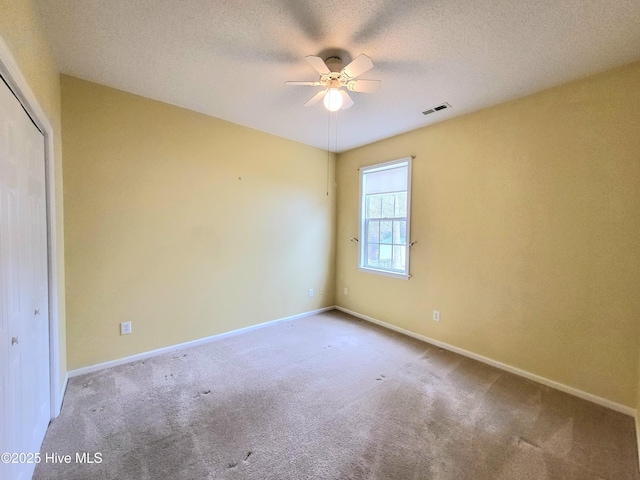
363,243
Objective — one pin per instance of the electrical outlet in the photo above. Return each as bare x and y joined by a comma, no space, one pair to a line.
321,291
346,291
125,328
436,315
310,292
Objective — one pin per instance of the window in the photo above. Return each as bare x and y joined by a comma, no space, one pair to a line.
385,198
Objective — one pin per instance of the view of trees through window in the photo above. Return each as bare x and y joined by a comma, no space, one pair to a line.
386,230
385,203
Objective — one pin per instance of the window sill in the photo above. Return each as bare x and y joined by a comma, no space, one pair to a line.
385,273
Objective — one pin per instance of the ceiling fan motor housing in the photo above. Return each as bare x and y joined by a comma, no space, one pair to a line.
334,64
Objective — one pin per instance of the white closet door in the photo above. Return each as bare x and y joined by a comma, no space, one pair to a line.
24,322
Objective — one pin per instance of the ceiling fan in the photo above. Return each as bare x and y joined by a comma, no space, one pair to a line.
333,81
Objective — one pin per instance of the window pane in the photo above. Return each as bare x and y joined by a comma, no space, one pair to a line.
399,257
373,251
396,232
374,231
387,206
373,206
401,204
385,232
386,254
399,232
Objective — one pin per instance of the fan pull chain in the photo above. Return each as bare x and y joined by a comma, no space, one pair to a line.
336,127
328,147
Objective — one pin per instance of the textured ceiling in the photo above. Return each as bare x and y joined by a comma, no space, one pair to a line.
230,58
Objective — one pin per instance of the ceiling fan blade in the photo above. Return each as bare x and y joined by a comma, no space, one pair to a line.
316,98
366,86
347,101
358,66
318,64
310,84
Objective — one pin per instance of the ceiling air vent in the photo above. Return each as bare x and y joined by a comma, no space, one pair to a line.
436,109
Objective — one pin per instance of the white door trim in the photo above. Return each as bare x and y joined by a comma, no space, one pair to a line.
13,76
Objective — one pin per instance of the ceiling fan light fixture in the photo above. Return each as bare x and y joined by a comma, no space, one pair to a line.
333,100
334,95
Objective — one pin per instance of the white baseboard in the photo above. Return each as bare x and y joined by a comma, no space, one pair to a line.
517,371
638,434
192,343
494,363
60,397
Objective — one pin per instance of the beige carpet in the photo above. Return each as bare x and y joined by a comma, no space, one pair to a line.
330,397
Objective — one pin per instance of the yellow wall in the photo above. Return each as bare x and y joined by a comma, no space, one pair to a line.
527,218
184,224
23,32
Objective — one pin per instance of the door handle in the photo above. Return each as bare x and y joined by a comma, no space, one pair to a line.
14,340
